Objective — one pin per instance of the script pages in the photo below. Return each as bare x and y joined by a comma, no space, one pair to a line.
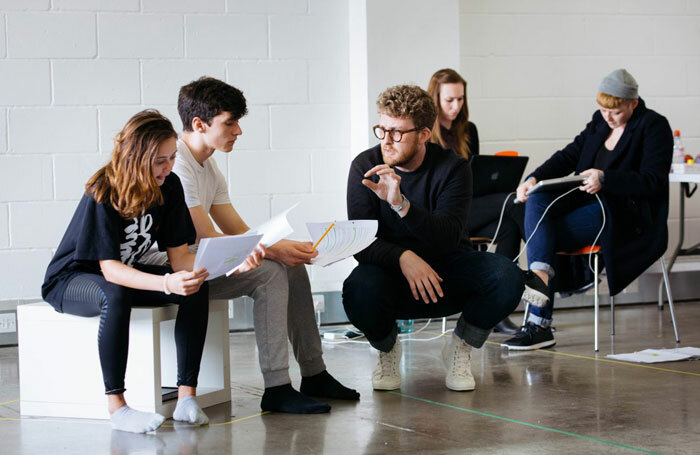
220,255
343,240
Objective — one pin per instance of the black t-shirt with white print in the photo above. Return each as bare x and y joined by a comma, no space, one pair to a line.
97,232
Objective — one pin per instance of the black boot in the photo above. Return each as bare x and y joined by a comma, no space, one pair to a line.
506,326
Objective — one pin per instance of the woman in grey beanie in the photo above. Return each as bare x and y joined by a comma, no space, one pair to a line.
625,153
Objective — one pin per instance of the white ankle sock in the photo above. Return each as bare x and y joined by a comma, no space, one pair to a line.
187,410
127,419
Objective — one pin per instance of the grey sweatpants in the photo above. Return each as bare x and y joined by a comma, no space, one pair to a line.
283,309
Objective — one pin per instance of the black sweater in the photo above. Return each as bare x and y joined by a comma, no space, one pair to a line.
440,192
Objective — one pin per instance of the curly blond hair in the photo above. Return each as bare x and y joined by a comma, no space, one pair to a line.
408,101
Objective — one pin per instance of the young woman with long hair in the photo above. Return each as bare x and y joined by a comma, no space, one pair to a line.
130,203
453,130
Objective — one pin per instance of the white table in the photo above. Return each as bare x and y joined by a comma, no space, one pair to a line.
685,180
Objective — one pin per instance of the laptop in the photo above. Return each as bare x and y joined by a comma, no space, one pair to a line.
497,174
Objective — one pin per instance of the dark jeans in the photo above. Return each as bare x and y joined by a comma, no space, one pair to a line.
91,295
570,224
483,221
484,287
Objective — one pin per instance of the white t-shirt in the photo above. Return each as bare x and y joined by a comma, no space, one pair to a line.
204,185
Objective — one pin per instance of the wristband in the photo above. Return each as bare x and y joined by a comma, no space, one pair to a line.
165,284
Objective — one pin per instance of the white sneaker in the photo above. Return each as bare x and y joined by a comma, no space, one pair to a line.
387,375
457,357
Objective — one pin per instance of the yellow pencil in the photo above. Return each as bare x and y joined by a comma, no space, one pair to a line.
324,234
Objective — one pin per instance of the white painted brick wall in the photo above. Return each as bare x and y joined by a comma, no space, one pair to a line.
256,129
315,125
72,171
80,82
35,86
185,6
271,82
162,79
254,209
48,234
140,35
52,35
22,272
291,172
4,227
111,120
267,6
96,5
3,131
226,36
72,72
3,43
25,178
53,130
24,5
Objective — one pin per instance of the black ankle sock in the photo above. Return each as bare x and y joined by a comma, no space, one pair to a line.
283,398
326,386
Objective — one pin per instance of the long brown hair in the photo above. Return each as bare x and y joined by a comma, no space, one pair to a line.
127,181
459,125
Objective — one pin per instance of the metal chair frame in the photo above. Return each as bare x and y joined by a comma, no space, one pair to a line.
596,297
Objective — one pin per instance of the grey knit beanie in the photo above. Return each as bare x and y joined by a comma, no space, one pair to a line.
621,84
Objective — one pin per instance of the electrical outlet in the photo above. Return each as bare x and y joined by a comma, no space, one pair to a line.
8,323
319,303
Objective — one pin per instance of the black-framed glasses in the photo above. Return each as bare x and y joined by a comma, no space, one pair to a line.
395,135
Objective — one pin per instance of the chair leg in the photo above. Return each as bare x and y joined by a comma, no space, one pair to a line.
595,303
670,298
612,315
527,313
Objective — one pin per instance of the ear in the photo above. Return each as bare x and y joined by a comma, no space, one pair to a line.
634,104
198,125
424,135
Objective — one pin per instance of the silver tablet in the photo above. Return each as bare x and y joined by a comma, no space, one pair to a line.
563,183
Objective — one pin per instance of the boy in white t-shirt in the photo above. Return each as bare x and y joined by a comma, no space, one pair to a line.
283,309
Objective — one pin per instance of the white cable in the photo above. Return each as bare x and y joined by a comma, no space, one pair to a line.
590,253
600,232
500,220
540,220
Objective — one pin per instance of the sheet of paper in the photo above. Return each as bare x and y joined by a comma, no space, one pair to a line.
220,255
658,355
343,240
274,229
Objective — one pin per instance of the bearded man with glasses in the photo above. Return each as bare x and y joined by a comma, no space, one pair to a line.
422,264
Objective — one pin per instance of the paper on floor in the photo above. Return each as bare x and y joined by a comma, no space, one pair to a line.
658,355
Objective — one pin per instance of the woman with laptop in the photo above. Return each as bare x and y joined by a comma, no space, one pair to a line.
624,153
453,130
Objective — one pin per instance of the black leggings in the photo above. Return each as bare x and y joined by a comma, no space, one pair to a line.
89,295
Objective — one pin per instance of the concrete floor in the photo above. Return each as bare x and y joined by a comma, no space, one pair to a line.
563,400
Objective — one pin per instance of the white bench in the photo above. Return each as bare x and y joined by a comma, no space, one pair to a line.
59,367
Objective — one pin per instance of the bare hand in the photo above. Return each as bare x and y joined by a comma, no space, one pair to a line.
592,183
253,261
524,187
421,277
292,253
388,188
186,283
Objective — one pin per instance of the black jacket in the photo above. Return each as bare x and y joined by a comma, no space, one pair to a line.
635,191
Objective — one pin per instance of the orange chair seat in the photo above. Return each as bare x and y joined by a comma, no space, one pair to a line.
584,250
